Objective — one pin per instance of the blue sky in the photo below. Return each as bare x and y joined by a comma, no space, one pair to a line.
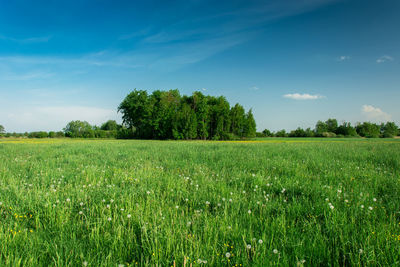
293,62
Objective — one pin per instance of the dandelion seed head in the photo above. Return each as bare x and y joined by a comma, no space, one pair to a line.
228,255
260,241
248,246
275,251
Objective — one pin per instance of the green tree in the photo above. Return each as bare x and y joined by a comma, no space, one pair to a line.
250,125
201,108
368,129
185,123
299,132
79,129
136,113
167,115
320,128
389,130
346,129
332,125
281,133
238,120
2,130
219,120
267,133
110,125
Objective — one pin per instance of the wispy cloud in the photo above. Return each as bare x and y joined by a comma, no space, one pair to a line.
384,58
42,39
375,114
254,88
99,59
36,75
195,40
297,96
343,58
181,41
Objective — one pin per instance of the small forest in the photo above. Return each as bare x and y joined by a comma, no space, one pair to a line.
170,115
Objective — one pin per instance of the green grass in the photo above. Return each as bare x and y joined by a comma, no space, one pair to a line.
281,202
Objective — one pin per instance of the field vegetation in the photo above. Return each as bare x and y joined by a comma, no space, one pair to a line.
304,202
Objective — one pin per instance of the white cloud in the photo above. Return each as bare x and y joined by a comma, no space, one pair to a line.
343,58
375,114
385,58
255,88
297,96
54,118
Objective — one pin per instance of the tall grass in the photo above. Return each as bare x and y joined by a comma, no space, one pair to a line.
140,203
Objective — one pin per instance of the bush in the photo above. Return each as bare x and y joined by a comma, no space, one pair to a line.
328,134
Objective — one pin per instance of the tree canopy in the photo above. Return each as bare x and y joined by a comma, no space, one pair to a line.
170,115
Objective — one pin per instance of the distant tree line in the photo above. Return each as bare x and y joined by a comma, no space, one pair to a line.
74,129
331,128
169,115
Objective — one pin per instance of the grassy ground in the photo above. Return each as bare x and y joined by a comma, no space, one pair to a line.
267,202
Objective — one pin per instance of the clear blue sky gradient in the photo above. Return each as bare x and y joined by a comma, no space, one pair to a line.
77,60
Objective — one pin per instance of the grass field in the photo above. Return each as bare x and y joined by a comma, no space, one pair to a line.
288,202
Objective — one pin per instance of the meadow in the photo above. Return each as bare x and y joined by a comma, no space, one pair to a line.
297,202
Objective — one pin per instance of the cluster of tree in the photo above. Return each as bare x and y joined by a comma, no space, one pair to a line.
82,129
169,115
331,128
